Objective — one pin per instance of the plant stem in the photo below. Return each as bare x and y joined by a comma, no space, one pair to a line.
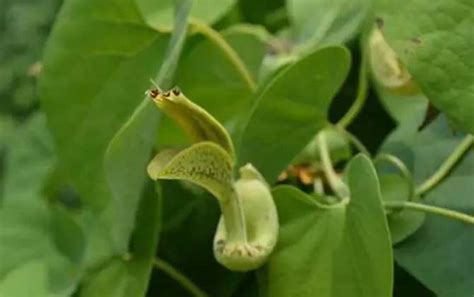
234,219
182,279
440,211
231,54
361,97
393,160
446,167
354,140
334,181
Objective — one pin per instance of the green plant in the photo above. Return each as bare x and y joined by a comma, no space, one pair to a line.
318,194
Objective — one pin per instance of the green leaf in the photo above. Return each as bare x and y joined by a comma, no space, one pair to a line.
159,14
338,146
205,164
208,76
87,87
129,276
366,242
31,230
449,242
28,235
322,22
436,48
128,152
294,108
309,236
35,272
405,222
30,157
250,42
339,250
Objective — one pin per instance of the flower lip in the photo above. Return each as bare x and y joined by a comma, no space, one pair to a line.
153,93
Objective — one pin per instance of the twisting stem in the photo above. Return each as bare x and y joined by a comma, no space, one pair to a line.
401,167
361,97
446,167
440,211
354,140
231,54
334,181
182,279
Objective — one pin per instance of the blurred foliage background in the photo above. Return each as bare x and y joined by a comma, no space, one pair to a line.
26,150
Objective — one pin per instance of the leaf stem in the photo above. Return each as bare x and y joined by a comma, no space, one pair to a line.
446,166
440,211
353,140
179,277
334,181
231,54
361,97
393,160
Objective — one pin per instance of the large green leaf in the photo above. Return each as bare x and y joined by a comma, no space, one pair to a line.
292,109
334,251
449,242
303,260
436,47
29,159
320,22
36,273
28,234
128,152
97,64
159,14
128,276
35,237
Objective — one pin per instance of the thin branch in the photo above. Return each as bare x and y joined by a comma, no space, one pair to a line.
446,167
231,54
353,140
393,160
179,277
361,97
334,181
440,211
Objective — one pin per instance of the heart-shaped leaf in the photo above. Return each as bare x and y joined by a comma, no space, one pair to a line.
292,109
333,250
449,242
159,14
436,49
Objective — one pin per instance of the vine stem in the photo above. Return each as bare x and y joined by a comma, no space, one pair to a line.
405,172
334,181
231,54
353,140
440,211
446,166
361,97
178,276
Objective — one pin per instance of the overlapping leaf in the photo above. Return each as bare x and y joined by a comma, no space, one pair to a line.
436,47
292,109
450,243
338,250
